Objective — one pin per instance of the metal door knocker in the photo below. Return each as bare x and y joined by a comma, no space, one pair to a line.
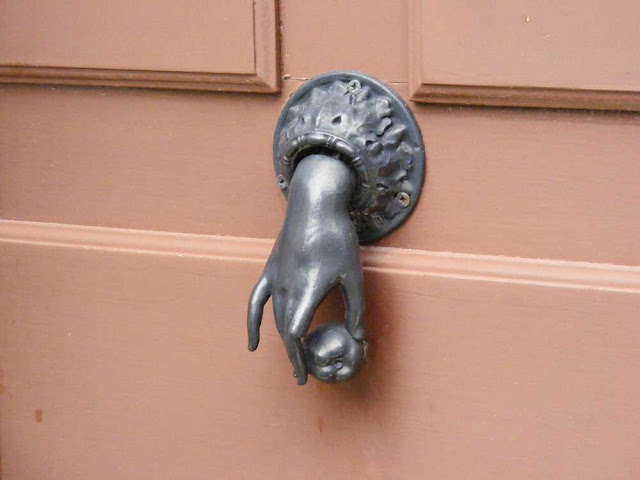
349,157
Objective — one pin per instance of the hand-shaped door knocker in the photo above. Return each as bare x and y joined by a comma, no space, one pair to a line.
349,157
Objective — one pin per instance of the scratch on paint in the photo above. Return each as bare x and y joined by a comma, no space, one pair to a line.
320,423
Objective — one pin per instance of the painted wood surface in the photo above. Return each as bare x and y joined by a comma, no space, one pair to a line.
365,35
512,54
526,53
146,43
503,318
524,183
115,354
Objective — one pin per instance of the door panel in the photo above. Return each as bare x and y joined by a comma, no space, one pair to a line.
154,44
524,183
526,53
124,356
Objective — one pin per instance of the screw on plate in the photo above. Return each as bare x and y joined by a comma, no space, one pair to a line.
403,199
282,182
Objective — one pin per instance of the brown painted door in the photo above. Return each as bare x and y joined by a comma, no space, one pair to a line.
139,204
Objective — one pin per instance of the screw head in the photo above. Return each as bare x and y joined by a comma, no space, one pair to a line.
354,86
282,182
403,199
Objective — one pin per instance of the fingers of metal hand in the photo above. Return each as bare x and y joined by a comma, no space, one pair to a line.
353,291
279,309
297,322
259,297
295,349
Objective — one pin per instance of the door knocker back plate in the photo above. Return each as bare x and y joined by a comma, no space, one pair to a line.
362,121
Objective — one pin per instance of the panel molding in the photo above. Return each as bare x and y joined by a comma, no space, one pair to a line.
524,97
265,79
426,90
553,273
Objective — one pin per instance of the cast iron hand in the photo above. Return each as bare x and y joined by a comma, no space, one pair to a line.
317,249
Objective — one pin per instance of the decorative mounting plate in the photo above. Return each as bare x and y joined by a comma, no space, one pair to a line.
362,121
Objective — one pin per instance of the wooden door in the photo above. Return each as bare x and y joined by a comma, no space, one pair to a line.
139,204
